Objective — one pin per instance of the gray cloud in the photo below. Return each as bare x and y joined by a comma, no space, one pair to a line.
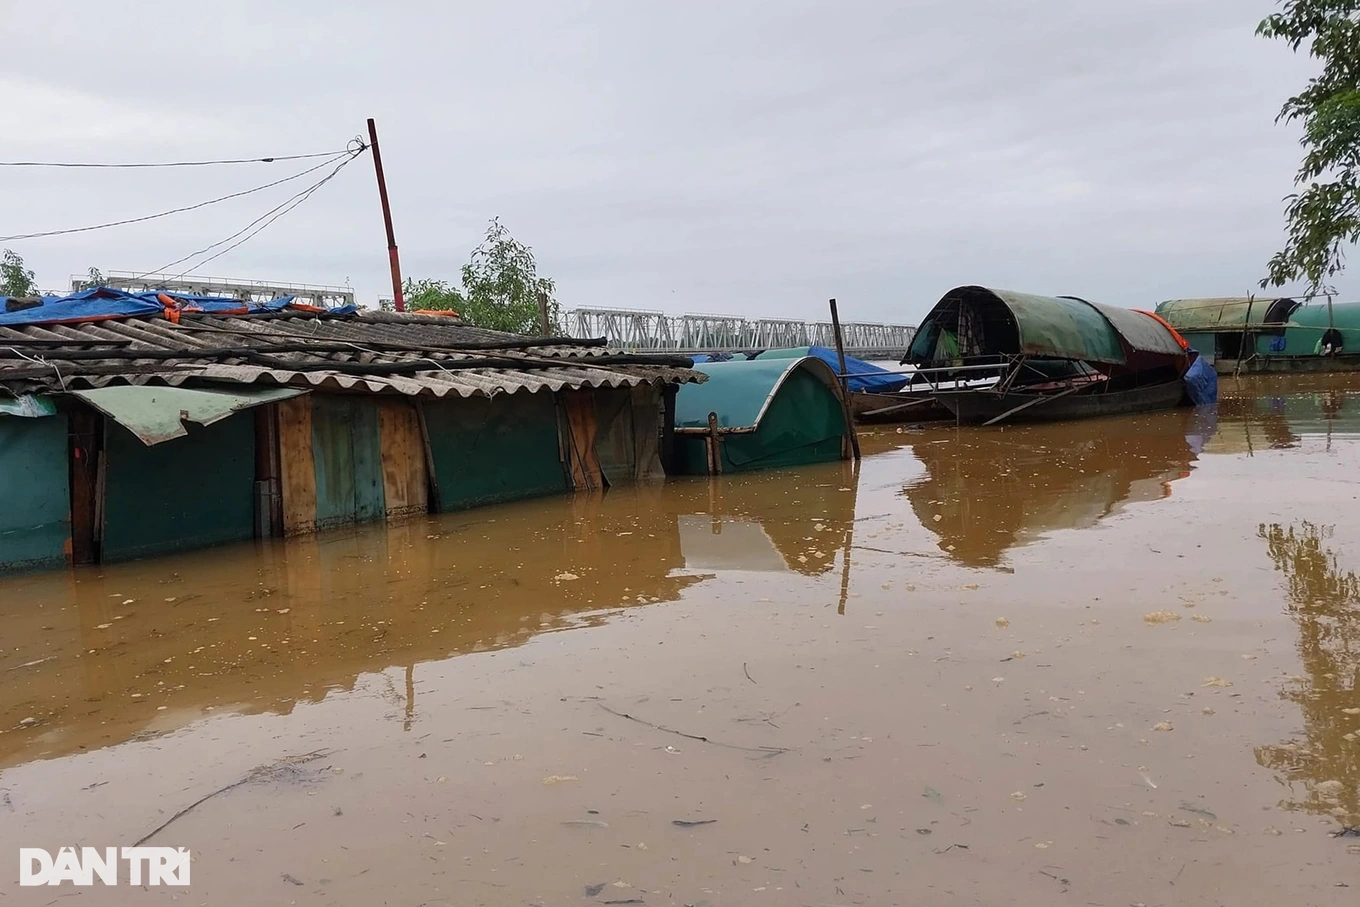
751,157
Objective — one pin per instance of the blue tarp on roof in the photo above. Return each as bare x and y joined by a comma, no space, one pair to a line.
869,378
101,303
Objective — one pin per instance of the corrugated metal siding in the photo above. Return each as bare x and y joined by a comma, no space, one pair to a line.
486,453
35,494
185,493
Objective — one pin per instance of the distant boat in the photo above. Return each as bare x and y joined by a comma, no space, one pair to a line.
1051,357
1249,334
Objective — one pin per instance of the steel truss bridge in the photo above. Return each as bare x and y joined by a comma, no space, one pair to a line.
642,329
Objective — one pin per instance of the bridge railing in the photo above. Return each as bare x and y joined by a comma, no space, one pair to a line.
644,329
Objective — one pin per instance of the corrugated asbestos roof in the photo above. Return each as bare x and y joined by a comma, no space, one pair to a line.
378,352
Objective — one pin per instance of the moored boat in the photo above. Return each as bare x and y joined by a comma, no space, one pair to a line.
1052,358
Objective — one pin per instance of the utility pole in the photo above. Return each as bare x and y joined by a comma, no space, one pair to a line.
398,302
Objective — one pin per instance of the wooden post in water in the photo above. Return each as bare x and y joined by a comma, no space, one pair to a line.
844,382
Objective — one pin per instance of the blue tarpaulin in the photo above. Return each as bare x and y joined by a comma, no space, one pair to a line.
100,303
1201,382
868,377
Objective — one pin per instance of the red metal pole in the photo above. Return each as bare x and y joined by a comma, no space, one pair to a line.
397,300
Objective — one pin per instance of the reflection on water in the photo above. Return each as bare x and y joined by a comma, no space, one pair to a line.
1324,602
94,657
986,492
772,521
1272,412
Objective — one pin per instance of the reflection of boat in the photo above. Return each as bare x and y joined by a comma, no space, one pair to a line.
1057,358
982,496
1275,412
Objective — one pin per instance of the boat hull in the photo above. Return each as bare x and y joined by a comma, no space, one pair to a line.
878,408
976,407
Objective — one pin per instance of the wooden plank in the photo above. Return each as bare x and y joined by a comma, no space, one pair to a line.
581,427
297,466
405,482
333,457
366,443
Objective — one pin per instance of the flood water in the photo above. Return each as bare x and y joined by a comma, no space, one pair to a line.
1104,663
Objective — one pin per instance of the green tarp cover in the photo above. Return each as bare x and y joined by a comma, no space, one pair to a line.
1141,332
1053,327
739,391
1062,328
1213,314
788,410
155,413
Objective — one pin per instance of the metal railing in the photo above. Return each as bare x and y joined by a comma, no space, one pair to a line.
646,329
245,290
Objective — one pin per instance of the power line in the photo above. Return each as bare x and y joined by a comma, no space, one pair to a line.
130,166
276,212
349,155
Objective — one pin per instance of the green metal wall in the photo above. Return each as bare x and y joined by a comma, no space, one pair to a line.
1204,343
489,451
346,445
186,493
35,494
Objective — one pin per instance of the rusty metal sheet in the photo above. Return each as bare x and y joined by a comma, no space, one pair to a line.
156,414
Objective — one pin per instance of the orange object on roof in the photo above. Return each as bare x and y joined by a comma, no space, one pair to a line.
1174,333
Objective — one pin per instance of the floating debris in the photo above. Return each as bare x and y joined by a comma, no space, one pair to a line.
558,779
1161,617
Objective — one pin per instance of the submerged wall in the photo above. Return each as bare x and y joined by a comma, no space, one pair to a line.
188,492
35,504
490,450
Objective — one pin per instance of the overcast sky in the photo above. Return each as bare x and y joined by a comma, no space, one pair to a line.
746,156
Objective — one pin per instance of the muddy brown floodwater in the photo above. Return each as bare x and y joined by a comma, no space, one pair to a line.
1105,663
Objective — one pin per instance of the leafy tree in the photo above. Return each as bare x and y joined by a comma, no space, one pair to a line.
15,279
429,294
500,287
1325,214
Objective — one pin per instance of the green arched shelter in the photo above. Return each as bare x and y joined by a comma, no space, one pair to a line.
758,414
